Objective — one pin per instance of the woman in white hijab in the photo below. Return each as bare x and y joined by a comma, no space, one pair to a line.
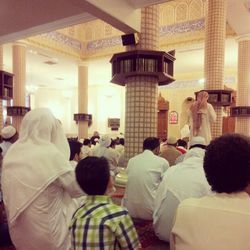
38,183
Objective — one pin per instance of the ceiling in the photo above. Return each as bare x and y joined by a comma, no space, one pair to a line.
64,74
36,17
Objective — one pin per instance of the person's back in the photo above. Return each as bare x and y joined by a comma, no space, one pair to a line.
170,153
144,175
37,189
221,220
185,180
98,223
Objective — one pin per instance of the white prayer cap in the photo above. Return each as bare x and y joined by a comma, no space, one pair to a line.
105,141
172,140
197,140
7,132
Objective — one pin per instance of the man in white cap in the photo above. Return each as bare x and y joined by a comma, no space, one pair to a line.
145,172
104,149
185,180
9,135
170,153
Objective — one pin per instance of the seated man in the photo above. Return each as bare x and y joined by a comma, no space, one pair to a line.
221,220
185,180
99,224
9,135
170,153
145,172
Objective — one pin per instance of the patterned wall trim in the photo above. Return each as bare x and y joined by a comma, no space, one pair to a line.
229,80
104,43
65,40
178,28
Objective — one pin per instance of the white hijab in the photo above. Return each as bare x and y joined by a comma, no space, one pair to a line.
39,157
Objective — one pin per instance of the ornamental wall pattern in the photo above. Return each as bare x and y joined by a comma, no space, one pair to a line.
182,23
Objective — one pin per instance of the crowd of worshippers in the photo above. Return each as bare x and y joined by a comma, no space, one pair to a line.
57,192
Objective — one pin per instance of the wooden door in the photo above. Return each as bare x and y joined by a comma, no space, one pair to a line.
162,121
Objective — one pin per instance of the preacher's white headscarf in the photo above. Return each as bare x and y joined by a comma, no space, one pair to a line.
39,157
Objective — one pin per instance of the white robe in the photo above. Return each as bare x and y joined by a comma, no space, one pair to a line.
208,117
215,222
184,180
38,183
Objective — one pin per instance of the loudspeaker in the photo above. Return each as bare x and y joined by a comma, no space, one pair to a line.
129,39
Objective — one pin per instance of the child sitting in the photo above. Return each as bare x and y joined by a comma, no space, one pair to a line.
98,223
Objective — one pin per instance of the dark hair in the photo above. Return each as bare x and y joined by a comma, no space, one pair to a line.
75,148
122,141
151,143
198,146
86,142
182,143
227,163
92,175
113,143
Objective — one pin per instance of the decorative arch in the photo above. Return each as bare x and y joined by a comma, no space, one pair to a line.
88,34
181,12
162,120
168,15
196,9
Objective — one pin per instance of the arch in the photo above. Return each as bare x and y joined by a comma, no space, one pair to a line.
181,12
168,16
196,9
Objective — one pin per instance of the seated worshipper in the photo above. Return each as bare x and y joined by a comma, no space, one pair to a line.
120,146
98,223
196,142
86,148
103,149
181,146
75,152
9,136
201,116
145,172
38,183
185,180
95,137
170,153
220,220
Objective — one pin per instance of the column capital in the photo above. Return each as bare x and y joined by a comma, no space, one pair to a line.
21,43
245,37
83,63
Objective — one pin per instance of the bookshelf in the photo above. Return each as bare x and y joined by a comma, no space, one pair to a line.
143,63
240,111
17,110
6,85
220,97
83,117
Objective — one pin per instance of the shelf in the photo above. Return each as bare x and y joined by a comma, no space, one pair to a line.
240,111
6,85
158,64
219,97
17,110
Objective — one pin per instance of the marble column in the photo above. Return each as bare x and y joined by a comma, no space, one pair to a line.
19,71
1,101
215,35
141,91
243,88
82,99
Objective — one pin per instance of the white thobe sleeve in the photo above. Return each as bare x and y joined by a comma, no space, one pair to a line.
211,113
68,182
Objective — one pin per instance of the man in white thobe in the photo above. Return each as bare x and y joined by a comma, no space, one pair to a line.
145,173
185,180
